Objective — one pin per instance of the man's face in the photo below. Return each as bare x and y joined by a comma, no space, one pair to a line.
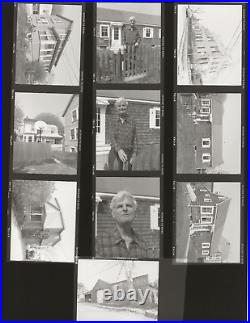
122,109
123,211
132,22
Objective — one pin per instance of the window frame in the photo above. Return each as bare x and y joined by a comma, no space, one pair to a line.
145,29
108,30
152,118
206,145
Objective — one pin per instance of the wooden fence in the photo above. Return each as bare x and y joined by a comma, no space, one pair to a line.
133,63
25,153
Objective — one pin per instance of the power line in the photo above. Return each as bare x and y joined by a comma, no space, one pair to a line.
72,69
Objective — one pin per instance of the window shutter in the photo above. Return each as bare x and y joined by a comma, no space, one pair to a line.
144,32
154,217
151,32
151,118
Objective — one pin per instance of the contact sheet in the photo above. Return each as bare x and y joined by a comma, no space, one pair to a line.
126,161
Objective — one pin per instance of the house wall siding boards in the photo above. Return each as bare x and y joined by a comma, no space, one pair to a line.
107,41
141,224
70,144
139,112
203,130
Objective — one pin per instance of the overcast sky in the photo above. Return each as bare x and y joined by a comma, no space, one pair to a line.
64,250
89,271
233,222
232,134
68,68
147,8
33,104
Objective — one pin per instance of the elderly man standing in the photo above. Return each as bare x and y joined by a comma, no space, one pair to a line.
131,35
123,241
123,139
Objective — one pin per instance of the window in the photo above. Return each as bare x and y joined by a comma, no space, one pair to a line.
205,110
154,216
98,120
30,139
205,245
104,31
207,209
206,142
206,219
116,33
147,32
205,102
48,46
72,134
74,115
36,217
154,118
205,252
46,35
206,158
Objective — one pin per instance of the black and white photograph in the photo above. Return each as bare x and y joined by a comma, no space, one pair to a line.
128,42
117,290
128,130
209,44
208,133
48,44
208,222
45,138
43,215
127,217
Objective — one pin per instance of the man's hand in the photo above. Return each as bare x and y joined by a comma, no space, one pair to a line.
136,44
122,155
132,158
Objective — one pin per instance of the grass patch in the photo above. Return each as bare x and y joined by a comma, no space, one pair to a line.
67,158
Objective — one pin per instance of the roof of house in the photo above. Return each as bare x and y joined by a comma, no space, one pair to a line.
68,105
104,14
100,284
151,95
222,210
53,216
27,119
136,186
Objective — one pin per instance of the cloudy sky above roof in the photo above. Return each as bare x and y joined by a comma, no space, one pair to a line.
147,8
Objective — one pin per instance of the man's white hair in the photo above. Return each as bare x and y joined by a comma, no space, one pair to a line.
121,195
119,100
131,18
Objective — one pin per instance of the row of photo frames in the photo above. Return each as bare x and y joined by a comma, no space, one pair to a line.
128,37
46,131
208,132
48,43
208,218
